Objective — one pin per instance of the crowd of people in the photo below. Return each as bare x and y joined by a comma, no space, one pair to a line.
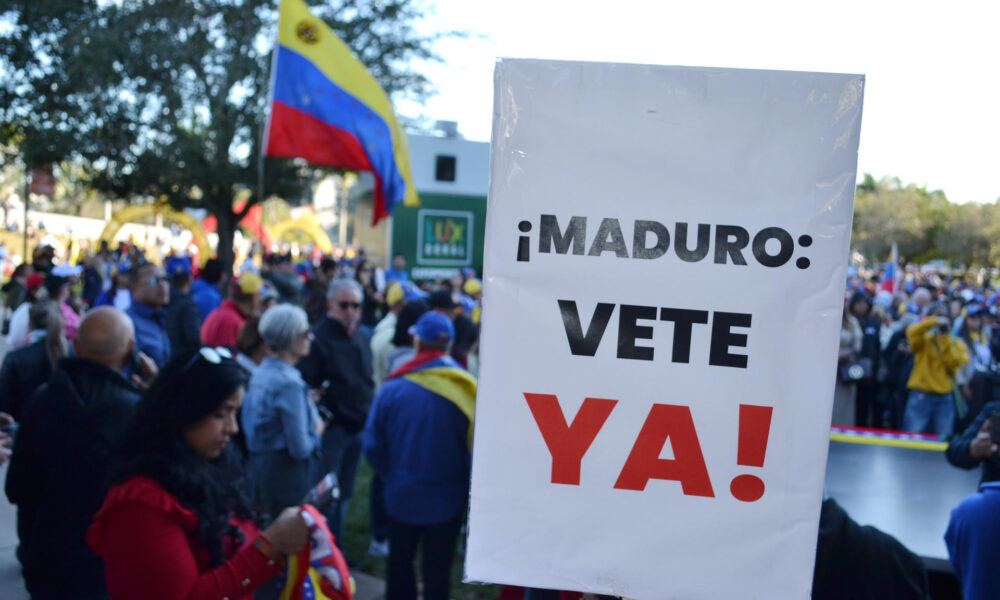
200,408
922,359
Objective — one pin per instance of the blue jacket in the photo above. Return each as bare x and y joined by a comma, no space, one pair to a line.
206,296
151,332
973,540
277,412
418,441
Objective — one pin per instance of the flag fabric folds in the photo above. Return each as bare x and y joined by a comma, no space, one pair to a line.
328,109
892,279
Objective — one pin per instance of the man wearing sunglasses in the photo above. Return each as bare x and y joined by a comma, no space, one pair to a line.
340,363
150,293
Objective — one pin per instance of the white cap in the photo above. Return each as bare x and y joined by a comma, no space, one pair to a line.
66,270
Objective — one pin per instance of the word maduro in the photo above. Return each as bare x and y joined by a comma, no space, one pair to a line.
651,240
569,442
629,331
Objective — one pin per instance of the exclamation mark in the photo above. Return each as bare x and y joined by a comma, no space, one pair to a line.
524,242
755,426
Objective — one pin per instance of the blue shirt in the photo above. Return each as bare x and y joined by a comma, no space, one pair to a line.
151,332
277,412
397,274
973,540
206,296
418,442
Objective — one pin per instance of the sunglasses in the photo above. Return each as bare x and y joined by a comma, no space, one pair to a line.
346,305
212,355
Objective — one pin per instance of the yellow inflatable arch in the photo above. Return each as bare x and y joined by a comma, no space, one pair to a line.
141,211
308,224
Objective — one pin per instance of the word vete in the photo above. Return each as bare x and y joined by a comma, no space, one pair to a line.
723,338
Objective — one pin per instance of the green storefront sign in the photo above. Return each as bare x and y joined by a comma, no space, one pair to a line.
442,236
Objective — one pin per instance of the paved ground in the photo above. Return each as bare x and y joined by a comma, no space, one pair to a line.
12,586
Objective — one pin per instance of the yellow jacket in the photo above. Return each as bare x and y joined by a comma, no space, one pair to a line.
933,367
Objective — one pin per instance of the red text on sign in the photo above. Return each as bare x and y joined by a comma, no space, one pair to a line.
568,443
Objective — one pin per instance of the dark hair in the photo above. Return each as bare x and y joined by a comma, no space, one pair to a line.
965,334
406,319
19,270
248,339
466,334
327,264
186,391
180,280
212,271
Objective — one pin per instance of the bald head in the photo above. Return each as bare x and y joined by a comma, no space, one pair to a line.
105,336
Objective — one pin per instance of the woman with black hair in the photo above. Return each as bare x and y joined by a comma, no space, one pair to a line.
371,302
175,523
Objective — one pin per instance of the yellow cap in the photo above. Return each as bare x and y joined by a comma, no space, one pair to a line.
394,295
472,286
248,284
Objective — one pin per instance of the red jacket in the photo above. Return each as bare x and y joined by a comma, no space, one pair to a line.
152,549
223,325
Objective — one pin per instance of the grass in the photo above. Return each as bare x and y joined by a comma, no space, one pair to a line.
357,535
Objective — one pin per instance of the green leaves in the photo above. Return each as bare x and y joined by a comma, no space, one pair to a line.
923,224
168,97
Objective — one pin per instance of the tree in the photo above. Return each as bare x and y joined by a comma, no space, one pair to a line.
166,99
887,211
964,238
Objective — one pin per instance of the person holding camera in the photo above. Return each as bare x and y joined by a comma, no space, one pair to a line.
937,356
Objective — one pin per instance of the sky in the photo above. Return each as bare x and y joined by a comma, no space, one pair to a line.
932,95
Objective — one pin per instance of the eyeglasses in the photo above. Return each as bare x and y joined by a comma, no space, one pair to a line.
212,355
304,333
156,279
346,305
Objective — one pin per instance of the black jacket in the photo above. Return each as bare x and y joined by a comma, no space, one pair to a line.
59,470
183,323
863,562
24,370
16,293
346,363
958,447
315,300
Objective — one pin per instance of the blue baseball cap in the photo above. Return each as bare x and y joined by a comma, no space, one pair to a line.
433,326
177,266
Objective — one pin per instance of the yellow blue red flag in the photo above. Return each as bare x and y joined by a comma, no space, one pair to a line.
328,109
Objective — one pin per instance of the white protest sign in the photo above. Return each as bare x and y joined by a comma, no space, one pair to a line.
665,259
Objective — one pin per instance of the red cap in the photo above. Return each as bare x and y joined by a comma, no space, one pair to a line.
35,281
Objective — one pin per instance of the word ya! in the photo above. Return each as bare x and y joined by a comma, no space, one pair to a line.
568,443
